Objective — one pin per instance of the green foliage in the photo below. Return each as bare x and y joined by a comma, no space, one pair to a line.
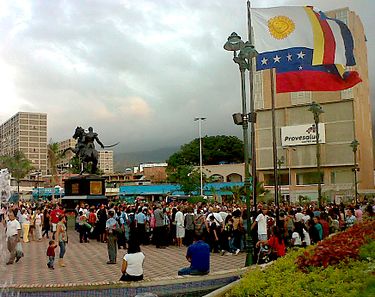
215,149
195,199
75,165
283,278
54,158
340,247
367,251
186,176
18,165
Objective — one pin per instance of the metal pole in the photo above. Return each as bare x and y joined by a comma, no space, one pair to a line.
316,118
249,242
355,177
245,125
200,152
274,148
290,173
252,114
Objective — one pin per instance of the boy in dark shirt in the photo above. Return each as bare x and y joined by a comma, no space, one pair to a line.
51,254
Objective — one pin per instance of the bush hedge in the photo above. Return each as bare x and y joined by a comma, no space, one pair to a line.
351,277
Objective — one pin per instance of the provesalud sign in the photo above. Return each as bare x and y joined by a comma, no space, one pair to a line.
302,135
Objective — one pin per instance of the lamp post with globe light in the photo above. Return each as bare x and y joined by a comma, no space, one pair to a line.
243,52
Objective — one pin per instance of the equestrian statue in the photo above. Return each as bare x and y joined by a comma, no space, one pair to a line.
85,148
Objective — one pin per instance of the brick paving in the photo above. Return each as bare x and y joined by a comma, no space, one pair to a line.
86,264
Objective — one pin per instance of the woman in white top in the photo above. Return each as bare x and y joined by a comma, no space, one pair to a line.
132,263
180,228
298,236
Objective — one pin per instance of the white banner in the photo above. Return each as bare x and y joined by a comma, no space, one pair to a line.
302,135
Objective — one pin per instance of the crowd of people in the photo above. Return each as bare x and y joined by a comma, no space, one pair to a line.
205,227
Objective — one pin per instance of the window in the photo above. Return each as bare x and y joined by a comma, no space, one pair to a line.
342,15
342,176
258,90
300,98
309,178
347,94
269,179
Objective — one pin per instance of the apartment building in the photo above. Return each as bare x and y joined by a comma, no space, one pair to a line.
346,117
63,145
26,132
105,163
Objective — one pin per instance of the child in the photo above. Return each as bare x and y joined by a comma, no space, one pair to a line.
51,254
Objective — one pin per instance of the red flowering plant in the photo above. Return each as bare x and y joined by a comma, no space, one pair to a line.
339,247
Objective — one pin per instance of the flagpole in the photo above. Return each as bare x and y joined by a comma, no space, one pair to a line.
252,115
252,120
274,144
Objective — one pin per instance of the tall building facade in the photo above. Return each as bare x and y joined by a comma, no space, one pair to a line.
105,157
105,163
26,132
64,162
346,117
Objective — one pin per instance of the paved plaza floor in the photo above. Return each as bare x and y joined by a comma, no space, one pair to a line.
86,264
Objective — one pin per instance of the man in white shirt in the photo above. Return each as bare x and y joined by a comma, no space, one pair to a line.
13,234
261,220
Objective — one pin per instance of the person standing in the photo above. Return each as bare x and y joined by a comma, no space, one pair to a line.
261,221
46,223
38,225
25,222
51,254
13,234
189,226
180,229
62,238
54,217
141,220
159,235
111,228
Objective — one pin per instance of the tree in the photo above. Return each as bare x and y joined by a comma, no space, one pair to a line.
215,150
239,191
18,165
186,176
54,157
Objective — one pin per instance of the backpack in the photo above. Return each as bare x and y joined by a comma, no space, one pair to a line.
200,225
189,222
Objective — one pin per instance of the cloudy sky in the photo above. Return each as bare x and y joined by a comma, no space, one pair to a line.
137,71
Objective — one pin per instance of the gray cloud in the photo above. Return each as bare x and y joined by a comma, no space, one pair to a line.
137,71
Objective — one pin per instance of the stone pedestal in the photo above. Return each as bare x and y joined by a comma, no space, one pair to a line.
86,189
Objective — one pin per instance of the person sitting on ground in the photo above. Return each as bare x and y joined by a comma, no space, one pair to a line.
275,242
132,263
198,254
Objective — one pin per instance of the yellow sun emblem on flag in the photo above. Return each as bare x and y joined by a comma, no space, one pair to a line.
281,27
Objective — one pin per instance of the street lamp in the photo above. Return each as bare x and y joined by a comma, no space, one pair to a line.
316,109
354,144
200,150
244,61
289,162
280,162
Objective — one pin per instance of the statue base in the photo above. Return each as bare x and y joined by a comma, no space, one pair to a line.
84,189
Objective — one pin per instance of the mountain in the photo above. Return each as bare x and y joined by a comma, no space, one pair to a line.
125,160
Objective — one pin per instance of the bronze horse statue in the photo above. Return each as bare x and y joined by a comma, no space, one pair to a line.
85,149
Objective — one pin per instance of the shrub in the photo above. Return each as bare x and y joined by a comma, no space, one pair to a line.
283,278
348,277
340,247
367,251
